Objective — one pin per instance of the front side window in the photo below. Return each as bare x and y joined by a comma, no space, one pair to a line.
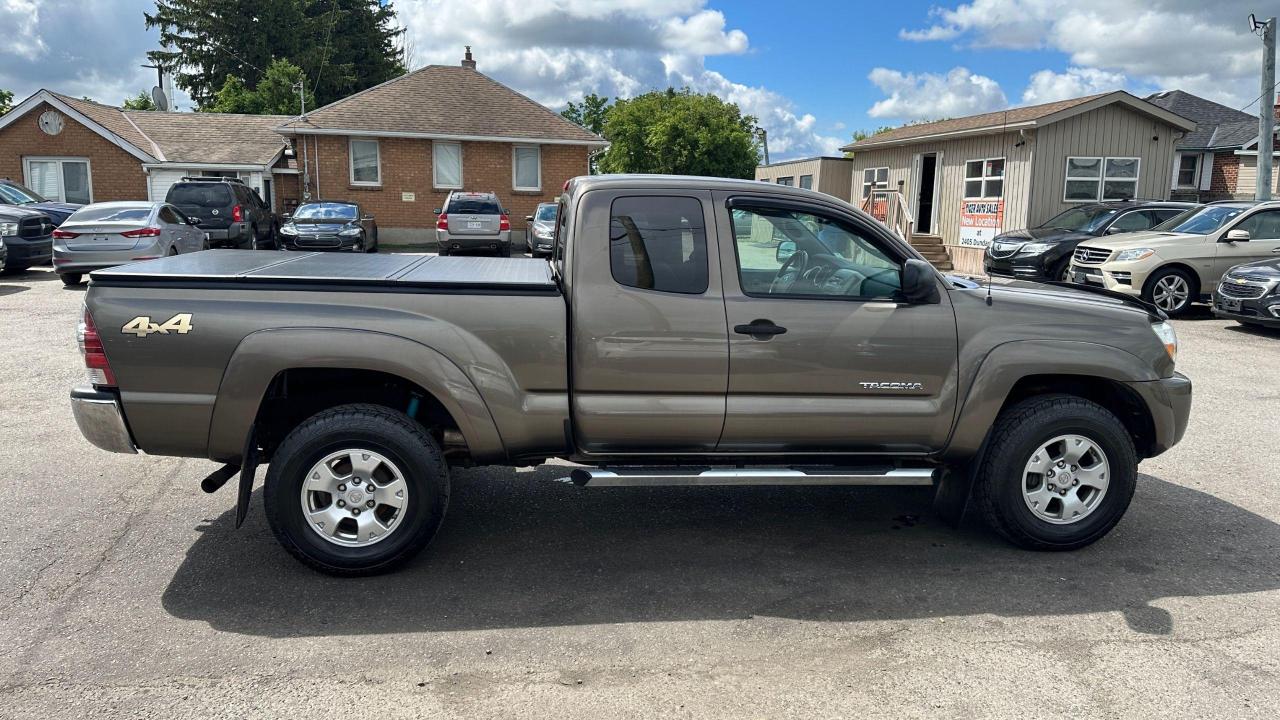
446,165
1131,222
1201,221
1264,225
658,243
62,179
526,170
806,182
984,179
788,253
1090,179
874,179
1188,164
365,165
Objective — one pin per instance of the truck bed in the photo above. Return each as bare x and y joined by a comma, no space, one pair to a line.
337,271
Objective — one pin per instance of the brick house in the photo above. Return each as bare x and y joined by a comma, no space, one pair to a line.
80,151
1219,159
400,147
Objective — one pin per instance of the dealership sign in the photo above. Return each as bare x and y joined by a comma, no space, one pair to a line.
980,221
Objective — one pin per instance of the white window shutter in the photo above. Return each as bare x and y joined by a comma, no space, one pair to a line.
1206,171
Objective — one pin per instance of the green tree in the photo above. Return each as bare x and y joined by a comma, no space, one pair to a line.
141,101
590,113
679,132
859,135
274,95
6,101
342,46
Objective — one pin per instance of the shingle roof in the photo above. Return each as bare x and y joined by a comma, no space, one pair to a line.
444,100
212,137
1216,125
111,118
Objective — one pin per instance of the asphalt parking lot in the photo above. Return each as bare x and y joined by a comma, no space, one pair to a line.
128,593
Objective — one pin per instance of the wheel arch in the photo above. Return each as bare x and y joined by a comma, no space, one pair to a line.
1197,285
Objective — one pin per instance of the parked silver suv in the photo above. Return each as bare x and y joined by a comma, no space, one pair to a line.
473,221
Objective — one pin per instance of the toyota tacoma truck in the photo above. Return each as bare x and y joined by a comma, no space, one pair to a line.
686,331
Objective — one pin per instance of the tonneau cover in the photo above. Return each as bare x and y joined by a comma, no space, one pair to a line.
336,271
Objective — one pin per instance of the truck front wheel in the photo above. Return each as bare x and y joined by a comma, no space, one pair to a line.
356,490
1058,473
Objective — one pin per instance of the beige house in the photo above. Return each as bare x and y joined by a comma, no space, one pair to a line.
964,180
831,175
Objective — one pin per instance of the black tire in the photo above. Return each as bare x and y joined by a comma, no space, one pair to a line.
373,427
1061,272
13,269
504,251
1018,432
443,251
1193,290
173,250
71,279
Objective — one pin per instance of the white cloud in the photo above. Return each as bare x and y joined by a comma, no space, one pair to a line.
1202,47
930,96
1049,86
20,19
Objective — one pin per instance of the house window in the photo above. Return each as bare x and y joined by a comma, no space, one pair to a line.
874,179
806,182
984,178
788,180
1090,179
526,167
447,165
62,179
366,166
1188,167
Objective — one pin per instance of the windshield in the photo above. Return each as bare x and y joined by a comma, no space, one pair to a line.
546,213
112,213
326,211
1202,221
17,195
1081,219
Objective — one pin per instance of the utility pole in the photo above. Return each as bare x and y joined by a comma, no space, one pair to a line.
1266,111
300,86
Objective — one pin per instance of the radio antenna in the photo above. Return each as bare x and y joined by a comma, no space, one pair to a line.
1004,132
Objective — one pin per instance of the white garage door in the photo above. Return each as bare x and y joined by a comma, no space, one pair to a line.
160,180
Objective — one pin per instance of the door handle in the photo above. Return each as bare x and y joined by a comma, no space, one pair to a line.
760,329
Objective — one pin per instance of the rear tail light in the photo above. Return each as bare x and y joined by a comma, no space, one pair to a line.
237,214
504,223
442,222
95,357
143,232
64,234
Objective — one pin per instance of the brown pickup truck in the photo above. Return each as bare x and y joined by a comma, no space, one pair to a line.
686,331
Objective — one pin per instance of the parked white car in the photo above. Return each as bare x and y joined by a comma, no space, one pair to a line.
114,233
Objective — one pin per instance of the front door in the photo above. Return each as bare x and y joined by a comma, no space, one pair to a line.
650,358
927,185
1263,243
825,355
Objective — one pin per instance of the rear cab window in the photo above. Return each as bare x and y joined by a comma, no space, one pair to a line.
659,243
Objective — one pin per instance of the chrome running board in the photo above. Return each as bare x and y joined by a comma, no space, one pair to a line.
661,477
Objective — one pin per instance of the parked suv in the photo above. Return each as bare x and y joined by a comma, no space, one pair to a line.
27,236
1044,252
471,221
1181,261
11,193
229,211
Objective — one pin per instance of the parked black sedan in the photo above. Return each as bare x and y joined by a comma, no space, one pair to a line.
1044,253
329,225
1250,294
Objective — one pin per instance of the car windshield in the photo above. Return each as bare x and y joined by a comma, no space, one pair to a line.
1201,221
326,211
1081,219
17,195
475,206
546,213
210,195
111,213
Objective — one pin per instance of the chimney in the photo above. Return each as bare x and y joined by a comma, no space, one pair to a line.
467,62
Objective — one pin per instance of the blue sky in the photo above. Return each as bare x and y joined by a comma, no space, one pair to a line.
812,71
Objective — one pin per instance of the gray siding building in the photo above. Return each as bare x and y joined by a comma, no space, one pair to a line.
830,175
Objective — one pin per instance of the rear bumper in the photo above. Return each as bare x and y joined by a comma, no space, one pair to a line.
101,420
235,234
1169,402
473,242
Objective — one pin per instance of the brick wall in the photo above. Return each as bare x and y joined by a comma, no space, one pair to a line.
114,173
406,168
1224,177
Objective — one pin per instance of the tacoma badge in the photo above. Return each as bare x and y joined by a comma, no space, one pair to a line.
892,386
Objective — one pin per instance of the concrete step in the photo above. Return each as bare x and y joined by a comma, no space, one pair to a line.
923,240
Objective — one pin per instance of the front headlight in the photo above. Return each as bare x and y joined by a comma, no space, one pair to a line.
349,232
1133,254
1168,336
8,228
1035,248
288,230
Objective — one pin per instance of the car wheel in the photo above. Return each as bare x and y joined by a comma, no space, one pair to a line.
1058,473
1172,290
173,250
443,252
1062,271
356,490
504,251
205,245
71,279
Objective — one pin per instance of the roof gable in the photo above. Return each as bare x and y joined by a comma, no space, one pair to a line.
446,102
106,121
1216,125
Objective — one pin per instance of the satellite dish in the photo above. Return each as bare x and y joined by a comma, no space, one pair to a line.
159,98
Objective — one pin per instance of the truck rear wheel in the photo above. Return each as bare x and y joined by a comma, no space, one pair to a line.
1058,474
356,490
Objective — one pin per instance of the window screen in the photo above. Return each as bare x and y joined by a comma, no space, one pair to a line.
658,243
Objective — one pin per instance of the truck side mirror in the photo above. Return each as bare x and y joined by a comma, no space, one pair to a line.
1238,236
785,250
920,283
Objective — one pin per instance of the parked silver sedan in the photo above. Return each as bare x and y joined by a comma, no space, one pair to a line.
114,233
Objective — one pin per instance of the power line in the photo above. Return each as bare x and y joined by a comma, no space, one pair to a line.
324,53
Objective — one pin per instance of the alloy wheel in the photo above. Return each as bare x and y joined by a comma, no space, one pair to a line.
1065,479
1170,292
354,497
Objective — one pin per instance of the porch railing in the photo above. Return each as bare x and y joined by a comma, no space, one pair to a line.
890,207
